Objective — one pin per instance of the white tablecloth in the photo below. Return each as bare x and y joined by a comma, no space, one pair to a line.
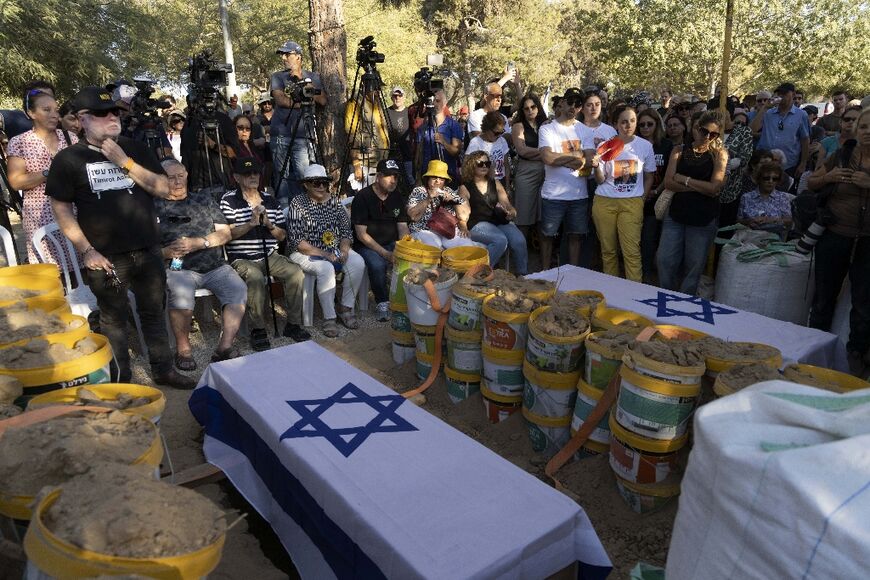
358,482
797,343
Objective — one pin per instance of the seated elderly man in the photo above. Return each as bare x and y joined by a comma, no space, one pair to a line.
192,231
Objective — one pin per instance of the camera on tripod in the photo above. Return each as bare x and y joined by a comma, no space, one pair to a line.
143,106
207,75
426,86
366,55
301,90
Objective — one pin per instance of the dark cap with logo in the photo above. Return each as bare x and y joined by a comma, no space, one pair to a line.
247,165
288,47
389,167
93,99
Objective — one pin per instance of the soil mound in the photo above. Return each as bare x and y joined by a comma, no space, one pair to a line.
39,353
673,352
742,376
561,322
612,339
573,301
20,324
420,275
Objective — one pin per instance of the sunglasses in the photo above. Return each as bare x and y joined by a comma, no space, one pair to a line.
243,128
646,124
319,184
483,163
102,114
708,133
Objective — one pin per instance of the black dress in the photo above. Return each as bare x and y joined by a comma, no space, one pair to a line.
692,208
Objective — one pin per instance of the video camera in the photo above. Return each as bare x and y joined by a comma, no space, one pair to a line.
426,85
301,90
207,76
143,106
366,55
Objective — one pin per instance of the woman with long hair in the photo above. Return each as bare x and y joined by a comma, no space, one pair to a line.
593,131
69,122
617,209
649,126
739,144
530,169
29,158
696,173
491,212
247,148
676,130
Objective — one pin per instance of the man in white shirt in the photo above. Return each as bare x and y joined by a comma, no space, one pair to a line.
492,99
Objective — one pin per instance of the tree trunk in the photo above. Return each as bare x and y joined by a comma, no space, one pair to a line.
327,42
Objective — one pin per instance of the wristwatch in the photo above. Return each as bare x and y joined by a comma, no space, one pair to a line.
206,243
45,172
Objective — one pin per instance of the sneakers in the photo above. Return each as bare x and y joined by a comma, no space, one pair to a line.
260,340
175,380
296,332
383,311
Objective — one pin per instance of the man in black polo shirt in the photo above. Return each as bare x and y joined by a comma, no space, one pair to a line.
379,220
112,181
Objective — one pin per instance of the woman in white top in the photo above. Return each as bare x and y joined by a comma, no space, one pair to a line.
592,132
491,142
623,184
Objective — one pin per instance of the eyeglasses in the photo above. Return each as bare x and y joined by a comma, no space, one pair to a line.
241,128
739,124
102,114
848,119
705,132
483,163
498,96
646,124
530,108
319,184
179,177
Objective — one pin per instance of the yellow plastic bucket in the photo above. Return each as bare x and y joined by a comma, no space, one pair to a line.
108,392
557,354
601,363
462,258
403,338
409,253
465,308
674,332
654,408
464,351
671,373
589,309
547,435
540,290
504,330
60,559
823,378
641,459
51,304
89,369
644,499
74,333
461,386
26,270
615,319
726,385
590,448
498,407
587,399
503,371
42,285
772,358
547,394
20,506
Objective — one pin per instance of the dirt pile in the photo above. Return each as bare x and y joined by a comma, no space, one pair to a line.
7,410
20,324
479,283
735,351
50,452
612,339
10,389
119,510
796,375
524,286
122,401
40,353
741,376
512,301
574,301
561,322
673,352
420,275
10,293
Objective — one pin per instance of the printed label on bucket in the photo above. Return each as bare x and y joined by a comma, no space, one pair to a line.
633,466
400,322
547,440
553,403
653,414
600,370
673,379
459,391
504,380
464,357
465,313
503,335
582,408
557,358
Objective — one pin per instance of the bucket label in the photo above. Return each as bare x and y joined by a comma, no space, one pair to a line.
584,406
599,370
400,322
424,343
502,335
556,358
635,466
497,412
459,391
547,440
552,403
653,414
464,357
504,380
673,379
465,313
423,369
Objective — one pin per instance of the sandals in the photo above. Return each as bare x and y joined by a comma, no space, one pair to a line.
220,355
330,328
348,319
184,362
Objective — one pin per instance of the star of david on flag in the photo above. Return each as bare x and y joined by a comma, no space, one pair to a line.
704,310
347,439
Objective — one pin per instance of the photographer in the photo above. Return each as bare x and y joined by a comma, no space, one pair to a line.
140,117
843,246
286,119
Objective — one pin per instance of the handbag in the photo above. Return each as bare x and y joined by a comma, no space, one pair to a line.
443,223
663,204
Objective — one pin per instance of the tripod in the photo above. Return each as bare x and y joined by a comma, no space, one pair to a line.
308,120
208,171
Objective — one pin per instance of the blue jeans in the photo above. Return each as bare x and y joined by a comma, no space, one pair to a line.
376,267
497,239
302,155
685,247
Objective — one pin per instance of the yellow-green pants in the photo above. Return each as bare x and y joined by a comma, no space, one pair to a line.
619,221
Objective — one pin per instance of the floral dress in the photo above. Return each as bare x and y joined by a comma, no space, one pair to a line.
323,225
36,211
419,194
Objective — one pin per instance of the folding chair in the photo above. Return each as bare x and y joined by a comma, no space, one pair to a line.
8,247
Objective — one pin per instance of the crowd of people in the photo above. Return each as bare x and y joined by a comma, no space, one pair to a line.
168,205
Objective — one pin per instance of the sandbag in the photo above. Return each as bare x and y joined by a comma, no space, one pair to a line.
776,487
759,274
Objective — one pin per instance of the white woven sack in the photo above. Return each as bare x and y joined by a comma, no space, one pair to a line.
777,486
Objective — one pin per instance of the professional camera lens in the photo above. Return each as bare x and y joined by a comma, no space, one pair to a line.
810,238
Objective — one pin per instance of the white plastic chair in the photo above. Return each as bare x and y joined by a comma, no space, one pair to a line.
8,247
308,294
81,300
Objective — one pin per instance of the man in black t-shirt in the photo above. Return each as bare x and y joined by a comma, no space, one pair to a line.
400,133
112,181
379,221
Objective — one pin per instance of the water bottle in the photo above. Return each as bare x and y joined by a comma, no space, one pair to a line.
175,264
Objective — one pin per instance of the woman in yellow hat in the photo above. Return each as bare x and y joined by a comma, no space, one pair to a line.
439,215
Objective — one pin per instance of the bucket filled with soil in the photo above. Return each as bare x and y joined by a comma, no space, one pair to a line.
673,361
42,365
28,270
47,453
142,400
409,253
462,258
506,319
468,296
823,378
464,351
721,355
18,325
16,288
503,371
461,386
587,399
654,408
585,301
616,319
115,520
604,350
499,407
555,340
645,499
420,309
50,304
549,395
640,459
547,435
740,376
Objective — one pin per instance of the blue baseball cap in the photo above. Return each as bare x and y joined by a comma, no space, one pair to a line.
289,47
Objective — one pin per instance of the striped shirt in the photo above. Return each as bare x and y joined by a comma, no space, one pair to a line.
323,225
236,209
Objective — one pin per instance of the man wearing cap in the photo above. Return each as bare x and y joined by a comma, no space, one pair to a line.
379,220
234,109
257,220
264,117
287,119
192,231
782,125
401,146
102,193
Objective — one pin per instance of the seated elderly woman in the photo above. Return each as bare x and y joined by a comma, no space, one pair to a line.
429,224
766,208
320,242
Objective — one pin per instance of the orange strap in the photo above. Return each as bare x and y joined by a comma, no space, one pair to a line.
439,333
46,414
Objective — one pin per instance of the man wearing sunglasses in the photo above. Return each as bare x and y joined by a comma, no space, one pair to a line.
782,125
112,182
